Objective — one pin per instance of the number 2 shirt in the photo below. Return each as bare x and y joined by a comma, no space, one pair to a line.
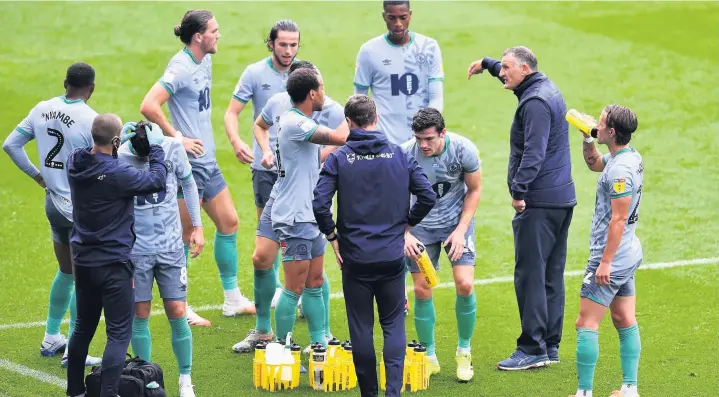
59,126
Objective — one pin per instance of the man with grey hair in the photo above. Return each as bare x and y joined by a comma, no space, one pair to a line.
103,190
543,196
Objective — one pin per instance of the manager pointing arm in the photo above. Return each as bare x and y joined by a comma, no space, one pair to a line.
543,196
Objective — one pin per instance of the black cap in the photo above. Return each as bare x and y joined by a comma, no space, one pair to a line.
334,342
295,347
261,345
420,349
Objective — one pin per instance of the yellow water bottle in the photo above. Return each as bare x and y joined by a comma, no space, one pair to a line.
310,370
348,370
409,364
582,121
426,268
420,368
319,357
258,365
296,351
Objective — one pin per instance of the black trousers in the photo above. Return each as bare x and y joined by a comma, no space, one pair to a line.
362,284
97,288
540,247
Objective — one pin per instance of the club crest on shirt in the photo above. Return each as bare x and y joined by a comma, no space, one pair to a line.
454,168
421,59
351,157
169,166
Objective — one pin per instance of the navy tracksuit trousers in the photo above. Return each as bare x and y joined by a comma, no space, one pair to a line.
110,288
362,284
540,246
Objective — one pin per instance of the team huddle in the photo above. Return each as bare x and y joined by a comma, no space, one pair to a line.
295,128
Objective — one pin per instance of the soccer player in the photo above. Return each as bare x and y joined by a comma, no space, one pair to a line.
453,166
298,164
185,86
404,71
158,252
258,83
267,241
615,252
59,125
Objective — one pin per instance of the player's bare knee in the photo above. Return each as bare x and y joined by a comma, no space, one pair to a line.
229,223
315,280
623,320
464,287
586,321
422,291
175,309
263,260
143,309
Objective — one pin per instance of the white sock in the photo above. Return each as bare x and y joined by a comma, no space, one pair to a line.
233,295
51,338
185,379
629,390
464,350
583,393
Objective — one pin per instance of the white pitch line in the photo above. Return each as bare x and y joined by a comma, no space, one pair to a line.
39,375
54,380
485,281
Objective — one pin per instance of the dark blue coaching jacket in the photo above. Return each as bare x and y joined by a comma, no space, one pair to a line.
373,179
540,163
103,190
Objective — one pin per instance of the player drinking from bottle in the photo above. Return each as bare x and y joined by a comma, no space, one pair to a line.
615,252
453,166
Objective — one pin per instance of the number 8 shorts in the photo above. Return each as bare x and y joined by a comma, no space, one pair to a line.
168,269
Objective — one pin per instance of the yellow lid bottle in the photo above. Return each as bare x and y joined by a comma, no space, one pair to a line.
582,121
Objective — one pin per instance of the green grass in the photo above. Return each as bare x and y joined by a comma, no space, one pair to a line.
657,58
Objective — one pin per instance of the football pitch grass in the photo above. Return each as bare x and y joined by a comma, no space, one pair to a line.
660,59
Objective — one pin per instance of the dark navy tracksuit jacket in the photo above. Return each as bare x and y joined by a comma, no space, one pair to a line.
373,180
103,191
540,173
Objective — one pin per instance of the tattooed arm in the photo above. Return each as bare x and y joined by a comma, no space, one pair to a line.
326,136
592,157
